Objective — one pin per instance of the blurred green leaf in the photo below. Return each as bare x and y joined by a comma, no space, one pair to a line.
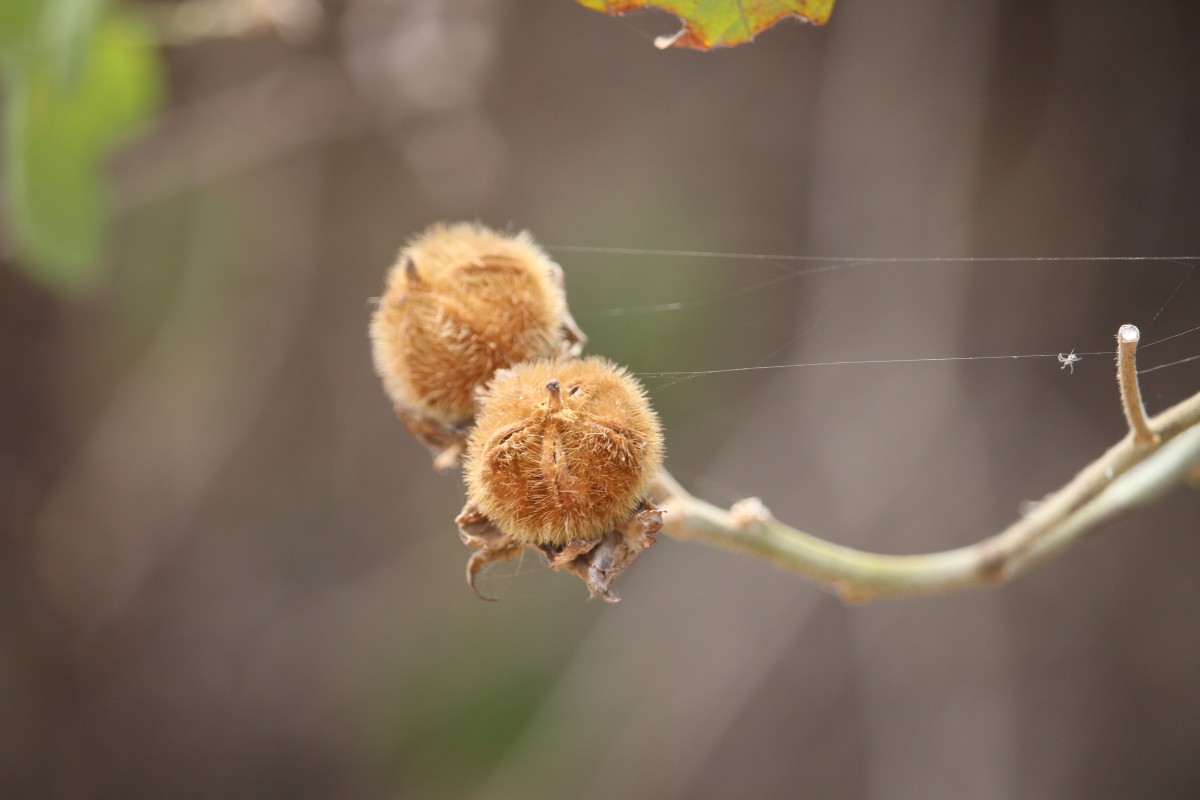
66,28
59,134
720,23
17,18
121,84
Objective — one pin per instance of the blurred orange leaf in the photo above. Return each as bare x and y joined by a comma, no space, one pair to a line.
720,23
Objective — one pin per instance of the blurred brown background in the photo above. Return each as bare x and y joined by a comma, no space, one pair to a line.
226,571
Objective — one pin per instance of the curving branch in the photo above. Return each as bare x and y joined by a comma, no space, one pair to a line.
1157,454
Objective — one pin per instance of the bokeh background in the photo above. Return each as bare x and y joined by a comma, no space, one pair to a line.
226,571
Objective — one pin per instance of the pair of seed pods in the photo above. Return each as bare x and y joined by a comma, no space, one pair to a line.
479,355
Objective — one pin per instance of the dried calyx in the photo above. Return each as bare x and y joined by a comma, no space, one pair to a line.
461,302
560,460
479,355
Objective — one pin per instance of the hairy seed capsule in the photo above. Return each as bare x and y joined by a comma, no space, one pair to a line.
463,301
562,451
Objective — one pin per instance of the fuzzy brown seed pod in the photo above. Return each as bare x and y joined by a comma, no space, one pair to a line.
461,302
562,452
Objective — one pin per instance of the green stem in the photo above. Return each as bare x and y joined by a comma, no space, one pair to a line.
1133,472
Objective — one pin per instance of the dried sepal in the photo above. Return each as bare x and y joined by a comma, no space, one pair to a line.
490,543
562,450
461,302
597,562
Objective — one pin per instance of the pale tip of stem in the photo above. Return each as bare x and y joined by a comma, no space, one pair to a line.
1131,392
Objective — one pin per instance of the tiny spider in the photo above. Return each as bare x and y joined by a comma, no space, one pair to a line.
1069,360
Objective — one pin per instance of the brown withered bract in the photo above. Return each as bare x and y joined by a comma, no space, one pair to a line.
461,302
560,459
